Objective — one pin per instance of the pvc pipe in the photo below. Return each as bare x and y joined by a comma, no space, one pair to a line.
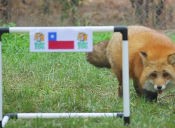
93,28
1,102
5,120
125,73
65,115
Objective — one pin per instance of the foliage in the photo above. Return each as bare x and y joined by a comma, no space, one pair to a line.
70,9
11,24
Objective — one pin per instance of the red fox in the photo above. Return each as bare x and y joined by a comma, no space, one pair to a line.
151,60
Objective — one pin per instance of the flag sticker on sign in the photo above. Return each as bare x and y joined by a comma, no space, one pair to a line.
55,44
61,40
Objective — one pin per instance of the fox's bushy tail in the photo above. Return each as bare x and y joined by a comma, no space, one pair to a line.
98,56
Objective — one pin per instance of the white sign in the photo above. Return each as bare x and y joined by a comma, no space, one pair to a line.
61,40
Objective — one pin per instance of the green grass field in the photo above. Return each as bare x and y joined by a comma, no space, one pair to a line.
65,82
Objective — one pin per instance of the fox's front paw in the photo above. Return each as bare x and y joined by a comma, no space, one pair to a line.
120,91
150,96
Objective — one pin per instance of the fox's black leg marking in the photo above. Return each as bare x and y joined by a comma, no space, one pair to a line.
150,96
136,86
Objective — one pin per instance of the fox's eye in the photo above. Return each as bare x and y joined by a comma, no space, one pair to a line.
153,75
165,75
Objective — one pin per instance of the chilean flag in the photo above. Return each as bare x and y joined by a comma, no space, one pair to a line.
54,44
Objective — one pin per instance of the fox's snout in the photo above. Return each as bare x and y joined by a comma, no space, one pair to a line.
160,84
159,87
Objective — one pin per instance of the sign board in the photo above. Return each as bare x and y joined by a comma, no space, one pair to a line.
61,40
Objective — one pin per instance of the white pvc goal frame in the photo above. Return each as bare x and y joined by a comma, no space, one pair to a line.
125,73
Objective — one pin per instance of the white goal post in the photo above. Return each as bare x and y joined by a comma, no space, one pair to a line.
125,73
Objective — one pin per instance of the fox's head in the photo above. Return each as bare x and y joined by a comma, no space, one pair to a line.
157,74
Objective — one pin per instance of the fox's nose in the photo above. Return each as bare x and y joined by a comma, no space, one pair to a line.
159,87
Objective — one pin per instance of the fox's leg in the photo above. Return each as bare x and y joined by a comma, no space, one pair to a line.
118,74
120,88
148,95
137,86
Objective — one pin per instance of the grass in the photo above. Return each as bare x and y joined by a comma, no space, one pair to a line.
65,82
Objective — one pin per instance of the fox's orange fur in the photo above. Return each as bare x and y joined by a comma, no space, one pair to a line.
151,59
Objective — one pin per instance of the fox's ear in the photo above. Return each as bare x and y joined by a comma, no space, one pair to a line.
143,56
171,59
